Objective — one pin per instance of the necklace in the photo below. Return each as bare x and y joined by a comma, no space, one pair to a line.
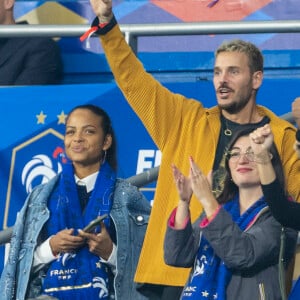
227,131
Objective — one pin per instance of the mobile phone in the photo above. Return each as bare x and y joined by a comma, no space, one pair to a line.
94,223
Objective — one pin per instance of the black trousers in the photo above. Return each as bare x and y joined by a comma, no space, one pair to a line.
171,292
160,292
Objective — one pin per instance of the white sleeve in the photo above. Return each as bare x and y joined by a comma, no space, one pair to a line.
43,255
112,260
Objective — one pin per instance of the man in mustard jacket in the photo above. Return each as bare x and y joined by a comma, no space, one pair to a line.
182,127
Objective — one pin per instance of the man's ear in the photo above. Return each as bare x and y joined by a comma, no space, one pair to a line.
107,142
257,79
9,4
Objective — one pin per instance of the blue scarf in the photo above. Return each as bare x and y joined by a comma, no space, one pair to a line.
210,275
78,275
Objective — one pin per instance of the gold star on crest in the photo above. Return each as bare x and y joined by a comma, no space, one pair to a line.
62,118
41,118
98,264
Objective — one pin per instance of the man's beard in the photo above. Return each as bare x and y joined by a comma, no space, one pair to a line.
236,107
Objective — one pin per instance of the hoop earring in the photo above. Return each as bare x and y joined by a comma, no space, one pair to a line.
104,157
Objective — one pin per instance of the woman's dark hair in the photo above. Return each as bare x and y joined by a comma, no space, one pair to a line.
230,188
111,154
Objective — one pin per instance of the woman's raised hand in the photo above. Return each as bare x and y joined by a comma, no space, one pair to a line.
261,139
183,185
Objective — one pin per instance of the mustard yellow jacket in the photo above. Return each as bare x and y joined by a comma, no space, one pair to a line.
180,127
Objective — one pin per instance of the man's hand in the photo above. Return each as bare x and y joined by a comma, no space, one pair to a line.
102,9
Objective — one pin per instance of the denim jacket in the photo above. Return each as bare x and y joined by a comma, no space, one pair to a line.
130,213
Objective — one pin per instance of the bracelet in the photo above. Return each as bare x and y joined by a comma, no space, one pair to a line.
99,28
263,158
104,27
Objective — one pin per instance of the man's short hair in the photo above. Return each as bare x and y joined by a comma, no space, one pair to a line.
255,57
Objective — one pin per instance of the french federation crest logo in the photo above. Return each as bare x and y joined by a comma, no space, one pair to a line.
33,162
